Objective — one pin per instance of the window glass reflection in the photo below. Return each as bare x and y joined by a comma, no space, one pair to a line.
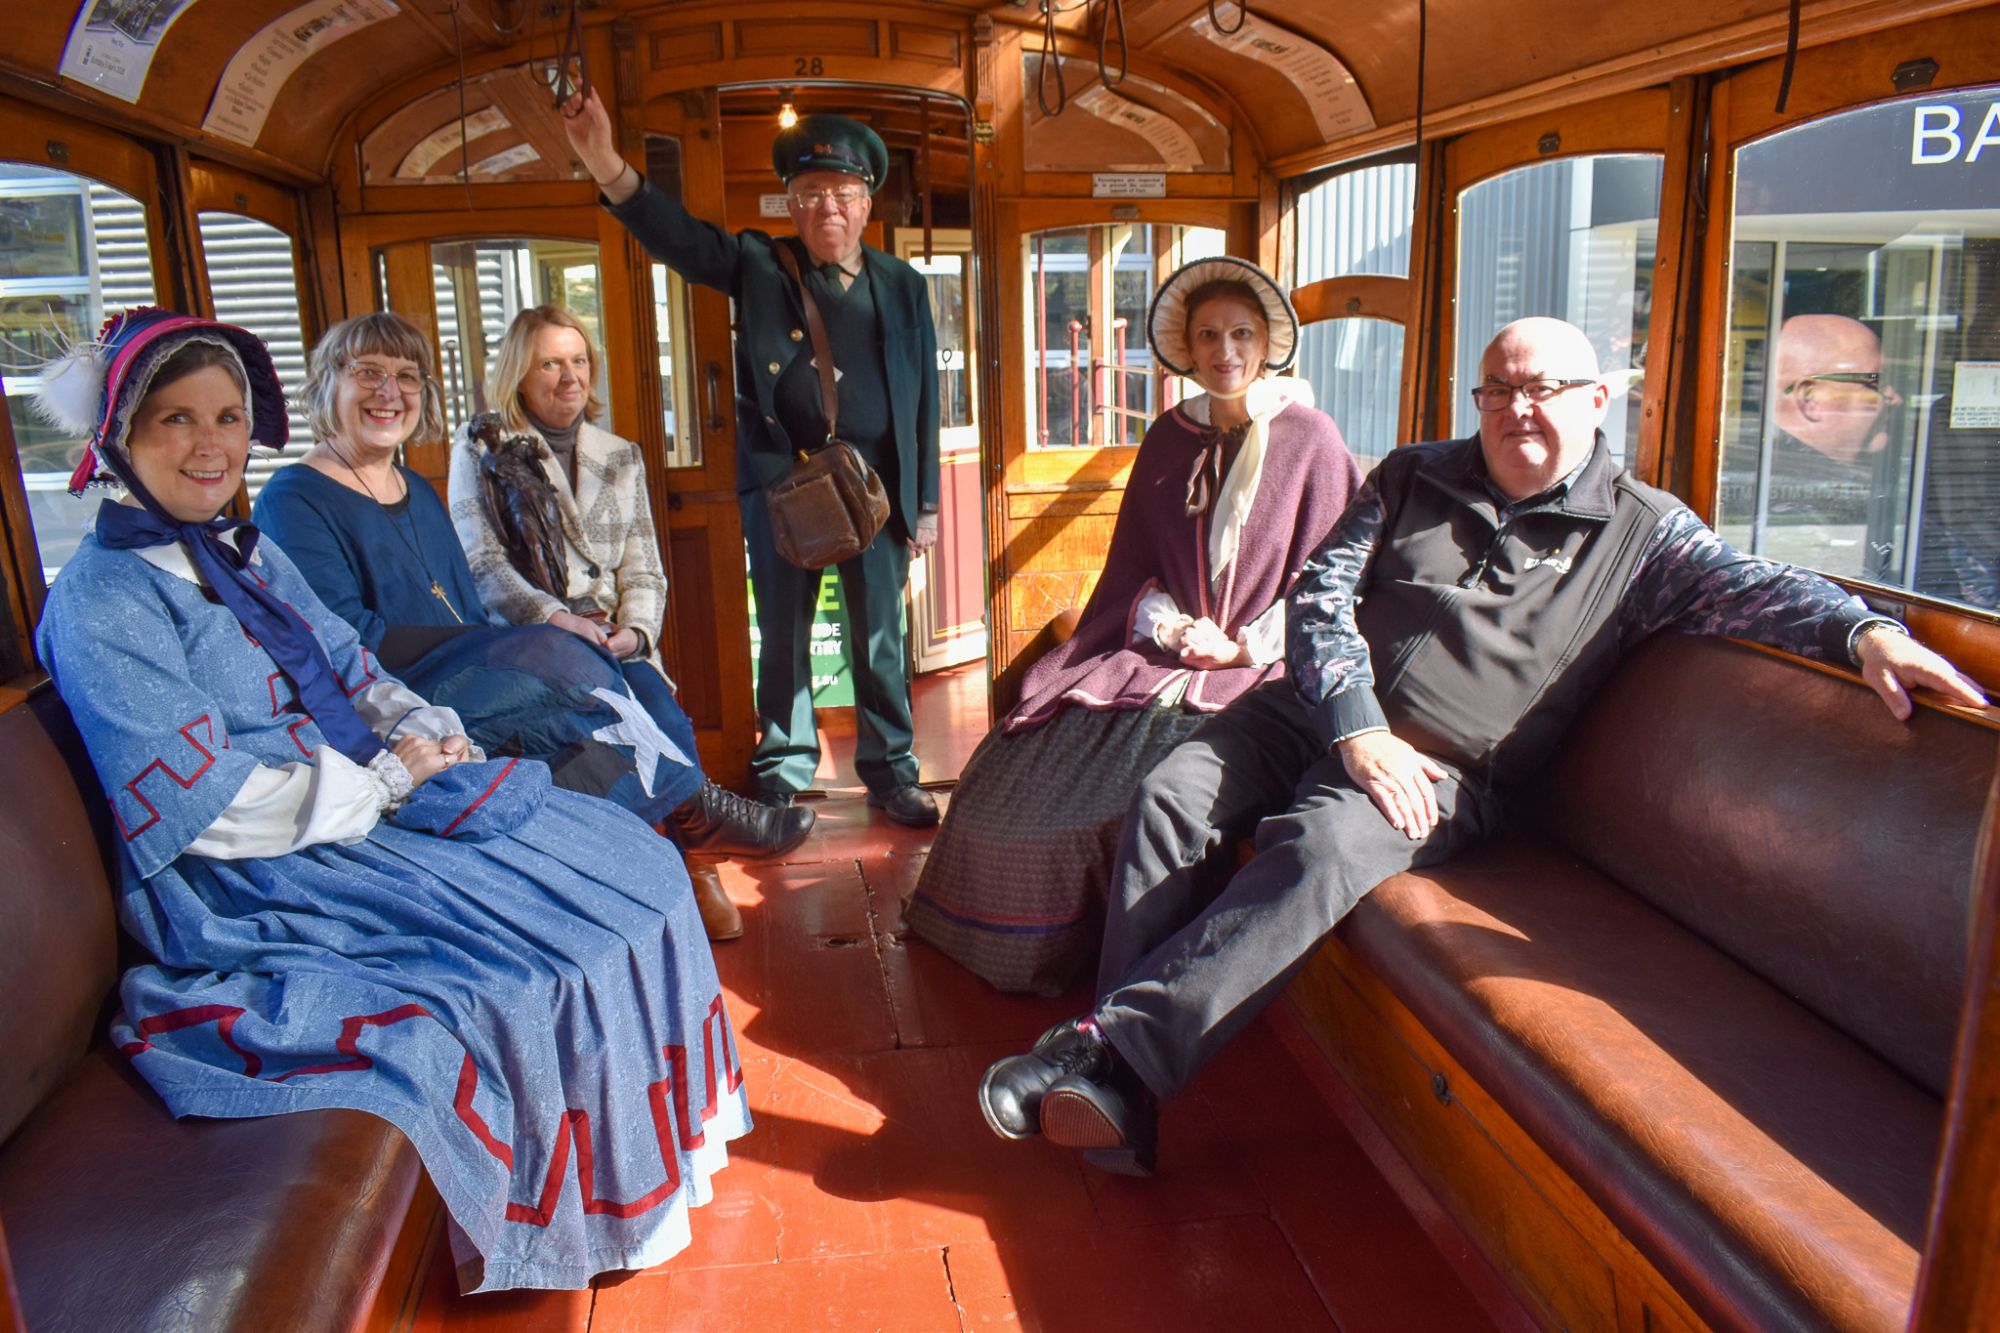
671,322
1356,222
1355,367
253,283
1575,239
72,251
1861,414
481,285
1092,380
945,275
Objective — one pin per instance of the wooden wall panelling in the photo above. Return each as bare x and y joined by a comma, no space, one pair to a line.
1426,333
413,295
710,44
994,404
1666,451
1535,1224
1713,349
175,99
20,560
322,294
1959,1285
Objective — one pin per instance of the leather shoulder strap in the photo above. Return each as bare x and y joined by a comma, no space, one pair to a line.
829,397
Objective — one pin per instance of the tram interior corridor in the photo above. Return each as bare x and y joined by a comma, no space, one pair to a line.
872,1195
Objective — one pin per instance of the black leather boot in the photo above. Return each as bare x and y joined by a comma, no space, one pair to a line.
718,822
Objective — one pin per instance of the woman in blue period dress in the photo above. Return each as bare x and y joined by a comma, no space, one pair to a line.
376,544
347,904
1230,493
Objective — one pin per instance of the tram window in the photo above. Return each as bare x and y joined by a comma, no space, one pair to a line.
945,275
481,285
1356,223
71,252
670,317
1093,380
1575,239
1861,400
1355,367
253,281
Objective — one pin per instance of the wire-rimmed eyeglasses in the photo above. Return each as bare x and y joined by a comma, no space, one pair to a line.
370,377
842,197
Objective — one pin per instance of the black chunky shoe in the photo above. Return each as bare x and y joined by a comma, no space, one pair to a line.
718,822
909,804
1010,1093
1113,1119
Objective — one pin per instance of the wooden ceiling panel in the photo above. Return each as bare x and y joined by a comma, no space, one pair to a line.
1482,55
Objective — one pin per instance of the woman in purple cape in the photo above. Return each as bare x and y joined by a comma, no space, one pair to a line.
1230,492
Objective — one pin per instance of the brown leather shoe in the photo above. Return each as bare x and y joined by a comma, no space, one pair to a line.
719,916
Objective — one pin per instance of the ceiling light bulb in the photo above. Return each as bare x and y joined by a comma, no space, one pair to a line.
787,117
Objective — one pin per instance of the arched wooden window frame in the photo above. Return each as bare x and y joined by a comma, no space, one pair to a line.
1649,120
29,134
1827,80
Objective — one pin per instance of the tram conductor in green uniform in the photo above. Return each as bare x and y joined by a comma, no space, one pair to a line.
878,323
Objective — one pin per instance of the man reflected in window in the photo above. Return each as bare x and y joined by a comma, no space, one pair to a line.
1844,455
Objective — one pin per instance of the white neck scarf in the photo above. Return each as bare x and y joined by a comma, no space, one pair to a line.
1264,400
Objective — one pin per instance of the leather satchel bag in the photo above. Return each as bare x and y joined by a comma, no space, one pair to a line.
829,507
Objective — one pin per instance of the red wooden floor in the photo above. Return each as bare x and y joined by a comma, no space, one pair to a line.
872,1196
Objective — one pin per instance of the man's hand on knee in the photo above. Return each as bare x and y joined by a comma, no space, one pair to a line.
1401,780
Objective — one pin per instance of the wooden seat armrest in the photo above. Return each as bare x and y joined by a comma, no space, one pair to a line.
1959,1286
1007,685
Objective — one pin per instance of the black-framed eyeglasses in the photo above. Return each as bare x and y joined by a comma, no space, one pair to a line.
370,377
1851,381
1494,397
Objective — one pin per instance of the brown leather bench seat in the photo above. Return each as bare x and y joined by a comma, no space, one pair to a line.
116,1216
1721,991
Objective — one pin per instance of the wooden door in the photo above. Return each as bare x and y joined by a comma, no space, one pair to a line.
947,593
679,350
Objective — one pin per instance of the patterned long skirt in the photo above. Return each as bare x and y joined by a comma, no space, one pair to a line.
1014,886
537,1012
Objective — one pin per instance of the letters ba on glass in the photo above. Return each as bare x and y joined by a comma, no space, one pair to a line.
1861,408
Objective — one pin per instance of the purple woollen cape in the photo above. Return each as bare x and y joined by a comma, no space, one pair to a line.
1307,480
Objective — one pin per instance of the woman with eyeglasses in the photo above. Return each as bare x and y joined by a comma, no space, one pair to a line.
377,545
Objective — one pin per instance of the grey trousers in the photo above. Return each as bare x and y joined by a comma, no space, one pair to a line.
1191,952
